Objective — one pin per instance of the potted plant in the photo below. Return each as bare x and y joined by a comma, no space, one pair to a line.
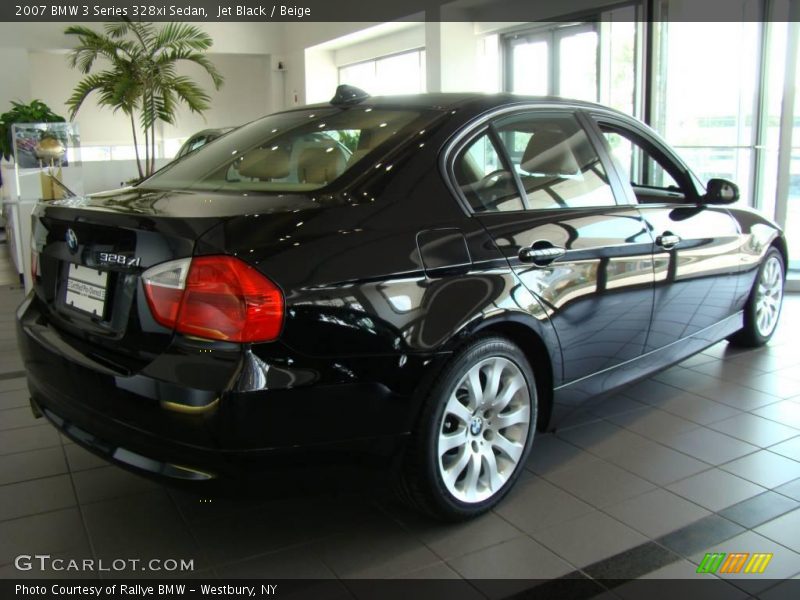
35,112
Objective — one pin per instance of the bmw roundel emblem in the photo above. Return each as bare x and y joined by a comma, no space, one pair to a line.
72,241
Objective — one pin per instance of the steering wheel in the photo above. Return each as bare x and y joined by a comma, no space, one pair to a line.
491,179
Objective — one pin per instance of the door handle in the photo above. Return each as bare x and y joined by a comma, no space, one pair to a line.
668,240
541,253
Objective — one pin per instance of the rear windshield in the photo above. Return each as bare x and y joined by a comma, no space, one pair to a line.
291,152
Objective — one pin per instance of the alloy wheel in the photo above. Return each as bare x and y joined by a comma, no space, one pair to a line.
484,429
769,295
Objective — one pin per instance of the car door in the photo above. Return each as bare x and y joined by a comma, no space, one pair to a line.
538,185
695,250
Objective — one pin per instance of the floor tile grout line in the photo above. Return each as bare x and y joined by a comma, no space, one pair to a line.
250,556
32,479
663,488
786,495
706,425
444,559
646,406
657,485
41,512
744,384
630,431
631,527
751,443
79,506
11,375
129,494
600,509
278,550
190,531
17,452
700,392
605,459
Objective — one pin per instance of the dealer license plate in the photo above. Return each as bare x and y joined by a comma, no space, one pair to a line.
86,289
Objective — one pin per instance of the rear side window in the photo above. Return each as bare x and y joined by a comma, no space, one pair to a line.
294,151
483,178
555,161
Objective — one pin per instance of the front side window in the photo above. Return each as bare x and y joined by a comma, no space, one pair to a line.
641,166
293,152
555,162
654,177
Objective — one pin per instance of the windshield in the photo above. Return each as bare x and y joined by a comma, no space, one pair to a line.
292,151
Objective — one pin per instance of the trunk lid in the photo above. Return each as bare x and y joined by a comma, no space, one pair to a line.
92,251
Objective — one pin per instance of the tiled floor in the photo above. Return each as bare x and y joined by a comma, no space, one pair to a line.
704,456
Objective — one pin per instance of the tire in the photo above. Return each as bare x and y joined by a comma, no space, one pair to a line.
488,433
763,308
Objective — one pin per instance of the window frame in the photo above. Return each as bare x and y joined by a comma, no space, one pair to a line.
487,122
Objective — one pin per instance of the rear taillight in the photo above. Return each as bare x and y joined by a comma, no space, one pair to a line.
216,297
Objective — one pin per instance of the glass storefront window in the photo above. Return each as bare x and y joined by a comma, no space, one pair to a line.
706,97
530,68
792,225
577,77
618,74
594,61
397,74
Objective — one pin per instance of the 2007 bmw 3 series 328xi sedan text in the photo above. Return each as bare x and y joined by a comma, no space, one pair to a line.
423,281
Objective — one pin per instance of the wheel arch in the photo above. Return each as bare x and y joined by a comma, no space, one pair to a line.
545,360
779,243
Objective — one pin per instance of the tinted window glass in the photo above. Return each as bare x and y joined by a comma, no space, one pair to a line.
555,161
483,179
641,167
293,151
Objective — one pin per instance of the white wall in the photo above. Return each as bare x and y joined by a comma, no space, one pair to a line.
452,57
35,66
410,38
297,37
52,81
246,95
322,61
229,37
15,85
322,75
459,55
247,54
109,175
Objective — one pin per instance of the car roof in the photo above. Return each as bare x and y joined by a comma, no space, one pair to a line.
472,101
214,130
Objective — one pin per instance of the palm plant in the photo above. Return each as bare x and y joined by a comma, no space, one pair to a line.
140,78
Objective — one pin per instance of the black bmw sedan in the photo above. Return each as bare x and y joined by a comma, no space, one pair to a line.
421,282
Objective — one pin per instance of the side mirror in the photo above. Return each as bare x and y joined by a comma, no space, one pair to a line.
721,191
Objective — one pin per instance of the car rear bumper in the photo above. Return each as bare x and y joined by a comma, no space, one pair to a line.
161,427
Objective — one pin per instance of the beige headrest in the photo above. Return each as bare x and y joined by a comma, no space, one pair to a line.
549,153
320,165
265,164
